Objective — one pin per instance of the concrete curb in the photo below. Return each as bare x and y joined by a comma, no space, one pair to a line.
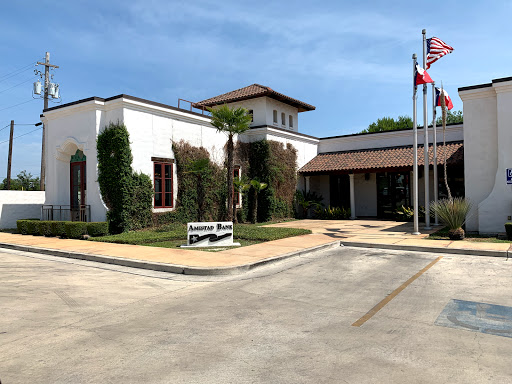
417,248
163,267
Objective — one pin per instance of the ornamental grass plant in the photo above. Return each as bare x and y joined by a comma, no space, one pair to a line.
453,213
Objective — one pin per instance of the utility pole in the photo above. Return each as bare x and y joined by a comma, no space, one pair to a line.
47,67
9,158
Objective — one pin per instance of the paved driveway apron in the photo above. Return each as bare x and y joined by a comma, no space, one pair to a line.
68,321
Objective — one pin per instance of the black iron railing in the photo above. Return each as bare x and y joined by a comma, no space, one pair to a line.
66,212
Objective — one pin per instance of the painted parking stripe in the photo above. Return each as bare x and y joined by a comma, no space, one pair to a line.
392,295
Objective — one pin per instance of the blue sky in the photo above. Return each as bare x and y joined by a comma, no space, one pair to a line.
352,60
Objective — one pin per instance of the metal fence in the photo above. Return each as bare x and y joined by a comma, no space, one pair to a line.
66,213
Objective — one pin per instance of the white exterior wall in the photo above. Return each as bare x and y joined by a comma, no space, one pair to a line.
487,155
386,139
320,185
16,205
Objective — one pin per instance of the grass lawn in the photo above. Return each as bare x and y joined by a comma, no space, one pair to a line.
174,235
442,234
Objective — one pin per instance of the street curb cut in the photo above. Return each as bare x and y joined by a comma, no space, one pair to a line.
163,267
416,248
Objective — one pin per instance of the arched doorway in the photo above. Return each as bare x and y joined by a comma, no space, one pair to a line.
78,186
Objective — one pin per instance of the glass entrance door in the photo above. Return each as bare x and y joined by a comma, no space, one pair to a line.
392,192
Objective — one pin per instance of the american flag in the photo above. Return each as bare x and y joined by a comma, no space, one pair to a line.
436,48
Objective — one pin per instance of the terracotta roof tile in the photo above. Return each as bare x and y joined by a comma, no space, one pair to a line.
371,160
251,92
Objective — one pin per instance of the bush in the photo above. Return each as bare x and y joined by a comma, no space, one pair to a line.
452,212
45,228
115,175
332,213
95,229
33,227
75,229
22,226
59,228
142,202
508,229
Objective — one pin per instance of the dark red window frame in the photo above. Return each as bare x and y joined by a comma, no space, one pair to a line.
163,185
236,194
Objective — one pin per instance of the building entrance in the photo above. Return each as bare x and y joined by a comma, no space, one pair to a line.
393,191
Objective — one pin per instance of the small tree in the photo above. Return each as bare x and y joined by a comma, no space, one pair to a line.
231,121
257,187
241,185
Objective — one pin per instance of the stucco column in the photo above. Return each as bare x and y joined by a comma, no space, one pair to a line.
352,197
306,183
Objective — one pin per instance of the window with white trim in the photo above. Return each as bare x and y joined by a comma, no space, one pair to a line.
290,121
275,116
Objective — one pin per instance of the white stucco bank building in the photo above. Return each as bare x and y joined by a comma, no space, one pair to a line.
369,173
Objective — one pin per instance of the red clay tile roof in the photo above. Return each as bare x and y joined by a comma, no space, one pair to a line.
372,160
251,92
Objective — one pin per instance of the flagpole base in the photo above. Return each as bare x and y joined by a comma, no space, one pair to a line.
416,233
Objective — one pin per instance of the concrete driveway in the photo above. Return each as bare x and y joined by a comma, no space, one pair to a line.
68,321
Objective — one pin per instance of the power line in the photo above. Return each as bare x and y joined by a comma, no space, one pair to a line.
15,105
17,85
2,142
16,72
1,129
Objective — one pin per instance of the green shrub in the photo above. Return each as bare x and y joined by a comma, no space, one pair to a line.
95,229
115,175
22,226
142,202
33,227
508,229
59,228
332,213
75,229
45,228
452,212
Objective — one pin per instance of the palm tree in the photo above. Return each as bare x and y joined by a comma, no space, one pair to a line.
258,187
231,121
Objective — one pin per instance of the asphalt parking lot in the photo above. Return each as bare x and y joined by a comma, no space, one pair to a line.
343,316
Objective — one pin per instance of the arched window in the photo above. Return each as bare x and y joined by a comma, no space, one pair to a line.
290,121
275,116
283,119
251,113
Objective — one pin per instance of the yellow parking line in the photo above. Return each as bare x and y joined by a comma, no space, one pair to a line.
392,295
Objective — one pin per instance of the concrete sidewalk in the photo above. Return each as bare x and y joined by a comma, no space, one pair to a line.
173,260
394,235
326,234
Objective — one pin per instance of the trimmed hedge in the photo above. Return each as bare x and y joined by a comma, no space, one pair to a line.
75,229
45,228
59,228
99,228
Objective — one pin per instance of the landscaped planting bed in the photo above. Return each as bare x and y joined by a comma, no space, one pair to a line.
176,234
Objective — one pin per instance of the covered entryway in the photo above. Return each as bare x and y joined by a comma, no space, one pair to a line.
376,182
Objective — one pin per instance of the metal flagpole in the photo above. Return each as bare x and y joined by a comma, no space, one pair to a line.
426,172
436,179
415,149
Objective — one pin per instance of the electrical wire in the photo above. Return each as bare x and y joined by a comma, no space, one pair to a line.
15,105
16,72
1,129
2,142
17,85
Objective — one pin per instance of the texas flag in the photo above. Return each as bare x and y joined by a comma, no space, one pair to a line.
422,77
447,99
